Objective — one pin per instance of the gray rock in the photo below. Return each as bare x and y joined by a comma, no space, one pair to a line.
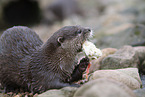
123,58
69,91
126,57
95,64
61,9
140,92
64,92
128,76
133,72
104,88
118,26
52,93
130,35
140,52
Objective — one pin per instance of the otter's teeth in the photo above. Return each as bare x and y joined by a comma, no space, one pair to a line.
91,51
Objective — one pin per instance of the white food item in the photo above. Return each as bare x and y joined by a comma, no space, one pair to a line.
91,51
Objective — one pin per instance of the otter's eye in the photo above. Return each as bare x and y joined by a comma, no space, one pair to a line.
79,32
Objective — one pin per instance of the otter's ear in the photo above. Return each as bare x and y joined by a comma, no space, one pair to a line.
60,40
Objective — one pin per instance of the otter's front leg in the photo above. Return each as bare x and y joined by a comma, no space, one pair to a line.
59,85
79,69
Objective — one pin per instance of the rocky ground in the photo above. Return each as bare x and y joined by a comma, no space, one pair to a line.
119,30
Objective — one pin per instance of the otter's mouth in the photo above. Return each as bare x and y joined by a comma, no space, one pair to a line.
88,33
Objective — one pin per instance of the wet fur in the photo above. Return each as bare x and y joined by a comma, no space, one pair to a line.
26,64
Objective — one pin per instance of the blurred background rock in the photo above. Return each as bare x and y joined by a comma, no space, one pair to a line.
47,16
115,22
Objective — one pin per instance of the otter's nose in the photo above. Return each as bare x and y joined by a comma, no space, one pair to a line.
87,30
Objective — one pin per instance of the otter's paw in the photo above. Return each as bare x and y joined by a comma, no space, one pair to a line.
83,64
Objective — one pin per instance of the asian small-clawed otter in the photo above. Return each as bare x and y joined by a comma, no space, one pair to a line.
28,65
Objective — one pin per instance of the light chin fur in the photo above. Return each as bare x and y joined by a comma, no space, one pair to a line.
91,34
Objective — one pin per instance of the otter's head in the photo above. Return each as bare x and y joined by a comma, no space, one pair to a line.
68,39
71,38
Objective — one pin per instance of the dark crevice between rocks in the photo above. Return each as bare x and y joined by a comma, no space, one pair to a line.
142,72
142,76
141,43
21,12
141,67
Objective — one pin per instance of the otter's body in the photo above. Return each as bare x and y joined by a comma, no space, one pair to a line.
26,64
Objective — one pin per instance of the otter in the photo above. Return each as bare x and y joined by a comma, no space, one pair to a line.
29,65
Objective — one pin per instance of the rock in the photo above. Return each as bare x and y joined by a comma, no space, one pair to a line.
52,93
140,17
104,88
124,34
108,51
64,92
121,24
69,91
143,80
133,72
126,57
140,52
140,92
129,76
95,64
123,58
60,10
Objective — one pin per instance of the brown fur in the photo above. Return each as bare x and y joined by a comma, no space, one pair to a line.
26,64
